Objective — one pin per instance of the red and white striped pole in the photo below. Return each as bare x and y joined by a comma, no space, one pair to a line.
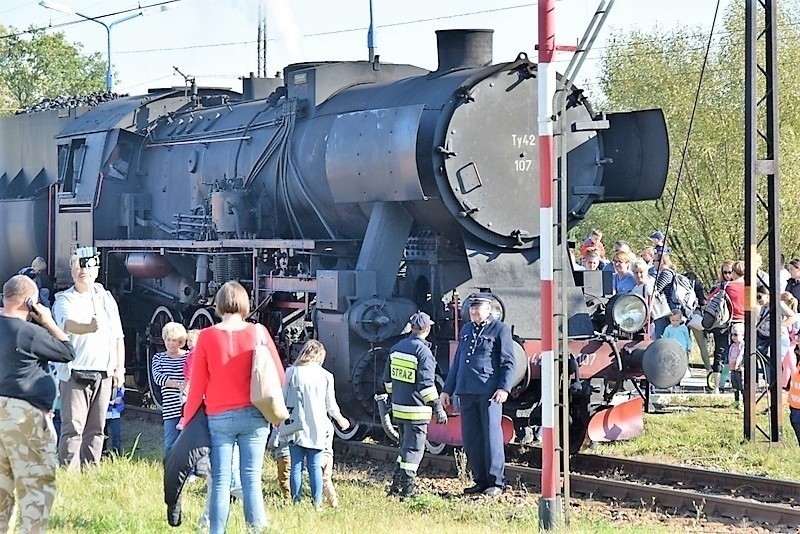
549,504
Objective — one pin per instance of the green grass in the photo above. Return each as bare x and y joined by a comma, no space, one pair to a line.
709,433
126,494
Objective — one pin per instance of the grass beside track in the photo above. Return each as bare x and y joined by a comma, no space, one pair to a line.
708,432
126,494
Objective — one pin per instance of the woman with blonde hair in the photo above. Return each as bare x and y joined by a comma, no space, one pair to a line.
311,400
220,379
167,372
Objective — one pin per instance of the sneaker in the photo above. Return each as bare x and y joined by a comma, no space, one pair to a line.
492,491
473,490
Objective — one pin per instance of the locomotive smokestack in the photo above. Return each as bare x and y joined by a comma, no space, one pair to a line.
462,49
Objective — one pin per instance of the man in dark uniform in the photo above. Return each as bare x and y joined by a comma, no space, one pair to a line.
409,378
481,376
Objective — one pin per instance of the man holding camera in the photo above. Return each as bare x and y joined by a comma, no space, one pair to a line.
27,392
89,314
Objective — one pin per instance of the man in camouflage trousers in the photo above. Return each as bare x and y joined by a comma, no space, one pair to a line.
27,392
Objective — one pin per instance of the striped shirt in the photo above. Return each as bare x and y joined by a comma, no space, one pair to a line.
169,368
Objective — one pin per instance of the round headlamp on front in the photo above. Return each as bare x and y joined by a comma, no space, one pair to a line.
629,312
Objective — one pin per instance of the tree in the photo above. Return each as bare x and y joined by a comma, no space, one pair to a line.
38,64
647,70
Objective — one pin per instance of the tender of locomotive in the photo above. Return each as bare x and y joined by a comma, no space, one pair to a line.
345,196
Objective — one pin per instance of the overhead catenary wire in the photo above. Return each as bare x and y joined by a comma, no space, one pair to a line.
689,130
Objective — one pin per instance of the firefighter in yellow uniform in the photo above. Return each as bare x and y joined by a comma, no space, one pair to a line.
409,378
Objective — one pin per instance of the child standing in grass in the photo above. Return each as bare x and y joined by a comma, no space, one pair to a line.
311,399
736,361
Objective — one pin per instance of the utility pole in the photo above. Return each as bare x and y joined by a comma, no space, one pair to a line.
761,188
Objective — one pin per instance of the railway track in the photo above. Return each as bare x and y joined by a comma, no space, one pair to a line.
711,493
707,503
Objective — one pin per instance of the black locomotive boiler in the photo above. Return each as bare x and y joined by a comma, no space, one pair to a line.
345,196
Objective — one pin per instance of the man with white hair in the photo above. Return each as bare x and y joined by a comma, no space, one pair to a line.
89,314
27,393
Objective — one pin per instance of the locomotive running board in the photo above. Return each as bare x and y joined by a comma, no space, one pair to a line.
450,432
620,422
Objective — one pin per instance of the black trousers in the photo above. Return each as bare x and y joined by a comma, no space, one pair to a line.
482,431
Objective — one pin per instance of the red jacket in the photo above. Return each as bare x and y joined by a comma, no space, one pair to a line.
222,368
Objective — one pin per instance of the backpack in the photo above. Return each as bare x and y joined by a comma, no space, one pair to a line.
717,313
683,295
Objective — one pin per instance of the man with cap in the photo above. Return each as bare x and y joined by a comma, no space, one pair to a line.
481,376
409,377
89,315
657,238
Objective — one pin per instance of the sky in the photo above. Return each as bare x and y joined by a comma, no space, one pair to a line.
215,40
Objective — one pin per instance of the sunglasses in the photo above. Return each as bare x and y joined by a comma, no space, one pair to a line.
735,335
727,272
760,296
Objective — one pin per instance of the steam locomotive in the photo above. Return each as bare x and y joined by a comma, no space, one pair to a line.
345,196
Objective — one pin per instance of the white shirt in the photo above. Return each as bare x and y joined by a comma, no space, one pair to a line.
96,351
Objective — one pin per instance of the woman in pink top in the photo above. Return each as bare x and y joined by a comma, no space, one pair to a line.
220,378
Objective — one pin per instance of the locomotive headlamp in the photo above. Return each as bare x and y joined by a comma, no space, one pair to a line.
629,312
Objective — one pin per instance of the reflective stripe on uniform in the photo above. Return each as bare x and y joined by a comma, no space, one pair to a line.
388,387
401,359
411,413
409,467
429,394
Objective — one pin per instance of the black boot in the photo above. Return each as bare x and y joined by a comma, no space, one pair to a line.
408,489
396,486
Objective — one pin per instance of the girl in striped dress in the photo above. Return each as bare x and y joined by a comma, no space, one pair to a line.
167,372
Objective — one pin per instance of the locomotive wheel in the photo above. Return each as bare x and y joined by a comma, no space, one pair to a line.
161,317
356,432
202,318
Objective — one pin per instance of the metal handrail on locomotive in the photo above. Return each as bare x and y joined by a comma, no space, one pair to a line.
345,196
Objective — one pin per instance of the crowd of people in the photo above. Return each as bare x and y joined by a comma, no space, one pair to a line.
71,360
209,372
651,274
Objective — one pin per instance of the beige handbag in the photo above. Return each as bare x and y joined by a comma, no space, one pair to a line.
266,393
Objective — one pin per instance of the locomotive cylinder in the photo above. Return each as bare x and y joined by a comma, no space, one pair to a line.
141,265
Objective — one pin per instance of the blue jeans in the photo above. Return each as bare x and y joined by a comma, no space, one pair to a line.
247,428
313,459
170,433
114,431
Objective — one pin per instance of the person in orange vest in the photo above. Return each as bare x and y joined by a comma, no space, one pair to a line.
794,401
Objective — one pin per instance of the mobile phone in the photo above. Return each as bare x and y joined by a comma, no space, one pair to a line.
31,307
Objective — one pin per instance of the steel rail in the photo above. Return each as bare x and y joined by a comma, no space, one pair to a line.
696,502
737,484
